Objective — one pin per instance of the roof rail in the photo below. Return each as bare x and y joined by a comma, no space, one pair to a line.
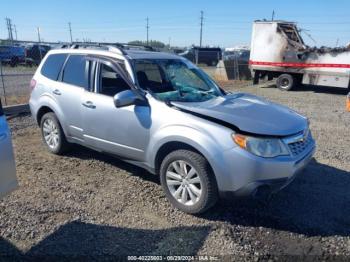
98,46
112,47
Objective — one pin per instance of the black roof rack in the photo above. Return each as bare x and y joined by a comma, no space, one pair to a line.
108,46
98,46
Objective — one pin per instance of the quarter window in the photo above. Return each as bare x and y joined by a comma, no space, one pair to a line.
53,65
75,71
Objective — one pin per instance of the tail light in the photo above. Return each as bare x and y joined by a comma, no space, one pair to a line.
348,103
32,84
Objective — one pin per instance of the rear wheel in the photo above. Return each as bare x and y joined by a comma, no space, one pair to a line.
188,181
286,82
53,135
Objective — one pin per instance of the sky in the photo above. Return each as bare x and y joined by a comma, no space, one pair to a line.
226,23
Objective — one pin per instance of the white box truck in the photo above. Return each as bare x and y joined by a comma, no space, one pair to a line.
278,51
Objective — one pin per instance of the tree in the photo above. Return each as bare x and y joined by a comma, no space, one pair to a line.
152,43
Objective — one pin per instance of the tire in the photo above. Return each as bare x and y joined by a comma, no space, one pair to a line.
195,204
59,143
14,61
286,82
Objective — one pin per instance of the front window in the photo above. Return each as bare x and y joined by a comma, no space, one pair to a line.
110,82
175,80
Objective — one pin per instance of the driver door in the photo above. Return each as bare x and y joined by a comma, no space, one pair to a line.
121,131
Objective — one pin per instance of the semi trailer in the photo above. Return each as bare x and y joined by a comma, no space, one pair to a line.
278,52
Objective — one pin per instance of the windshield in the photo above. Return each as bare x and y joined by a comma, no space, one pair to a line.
175,80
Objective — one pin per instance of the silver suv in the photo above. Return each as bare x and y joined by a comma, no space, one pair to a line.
159,111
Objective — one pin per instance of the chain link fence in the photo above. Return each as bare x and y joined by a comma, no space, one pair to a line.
222,66
14,84
18,62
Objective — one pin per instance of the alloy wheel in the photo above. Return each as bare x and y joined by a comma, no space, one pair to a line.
51,134
183,182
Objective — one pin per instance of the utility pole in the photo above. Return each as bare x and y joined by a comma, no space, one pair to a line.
201,32
9,28
38,30
273,15
39,39
15,28
147,27
70,32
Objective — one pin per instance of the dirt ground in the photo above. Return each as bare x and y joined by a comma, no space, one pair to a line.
85,205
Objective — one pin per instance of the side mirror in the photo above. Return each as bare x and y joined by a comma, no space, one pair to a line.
127,98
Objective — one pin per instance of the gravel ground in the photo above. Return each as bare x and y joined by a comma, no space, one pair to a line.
91,206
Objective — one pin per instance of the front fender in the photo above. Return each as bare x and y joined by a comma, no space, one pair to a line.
203,143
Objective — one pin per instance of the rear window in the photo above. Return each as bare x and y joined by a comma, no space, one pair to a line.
75,71
53,65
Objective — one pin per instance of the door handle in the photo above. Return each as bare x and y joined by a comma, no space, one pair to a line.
89,104
3,136
56,92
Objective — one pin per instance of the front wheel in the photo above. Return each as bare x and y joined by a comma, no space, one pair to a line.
188,181
53,135
286,82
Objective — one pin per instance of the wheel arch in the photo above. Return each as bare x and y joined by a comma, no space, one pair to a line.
46,108
41,112
169,147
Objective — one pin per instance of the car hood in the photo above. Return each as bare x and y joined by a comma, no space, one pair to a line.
248,113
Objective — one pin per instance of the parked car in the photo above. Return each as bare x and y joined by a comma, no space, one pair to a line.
35,53
8,180
12,55
159,111
205,55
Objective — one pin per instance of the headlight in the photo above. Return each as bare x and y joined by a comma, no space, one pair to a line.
264,147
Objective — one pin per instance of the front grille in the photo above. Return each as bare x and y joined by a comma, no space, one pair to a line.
298,147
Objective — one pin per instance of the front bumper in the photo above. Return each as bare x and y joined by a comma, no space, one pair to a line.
243,174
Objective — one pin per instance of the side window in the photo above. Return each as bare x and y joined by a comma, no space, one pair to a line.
110,82
53,65
75,71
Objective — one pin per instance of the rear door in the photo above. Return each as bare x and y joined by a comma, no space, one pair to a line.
68,92
8,180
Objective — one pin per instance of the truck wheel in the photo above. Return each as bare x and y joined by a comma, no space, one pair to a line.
285,82
14,61
188,181
53,135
